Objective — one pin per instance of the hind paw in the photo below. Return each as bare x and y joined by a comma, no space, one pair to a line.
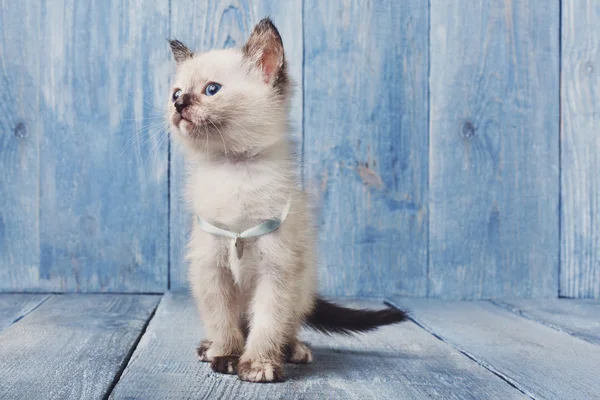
300,353
202,350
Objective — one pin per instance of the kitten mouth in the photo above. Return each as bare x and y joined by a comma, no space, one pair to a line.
185,115
178,119
189,127
188,124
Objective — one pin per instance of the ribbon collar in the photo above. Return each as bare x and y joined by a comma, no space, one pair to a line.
262,229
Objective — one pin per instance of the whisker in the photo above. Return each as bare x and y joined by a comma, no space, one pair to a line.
154,118
147,105
154,151
139,134
222,138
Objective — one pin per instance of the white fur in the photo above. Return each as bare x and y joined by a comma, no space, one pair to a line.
240,172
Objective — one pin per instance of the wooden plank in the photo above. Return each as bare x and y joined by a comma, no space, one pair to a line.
365,143
72,346
540,361
15,306
103,184
19,143
400,362
579,318
580,150
494,160
204,25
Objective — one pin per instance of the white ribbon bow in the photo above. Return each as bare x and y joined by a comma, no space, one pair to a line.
262,229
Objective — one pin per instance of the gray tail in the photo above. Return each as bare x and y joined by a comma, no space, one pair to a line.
329,318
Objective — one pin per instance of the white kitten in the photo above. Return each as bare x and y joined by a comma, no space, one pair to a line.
229,109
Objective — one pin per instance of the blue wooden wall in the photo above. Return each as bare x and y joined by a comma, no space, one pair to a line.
494,141
451,146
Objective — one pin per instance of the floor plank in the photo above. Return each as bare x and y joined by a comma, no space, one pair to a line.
577,317
541,361
15,306
401,362
72,346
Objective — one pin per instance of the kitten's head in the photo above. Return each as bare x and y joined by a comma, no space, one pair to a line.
231,100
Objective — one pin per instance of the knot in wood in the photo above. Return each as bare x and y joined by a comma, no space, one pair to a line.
468,130
20,130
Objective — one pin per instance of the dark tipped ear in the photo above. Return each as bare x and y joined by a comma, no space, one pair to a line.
180,51
265,49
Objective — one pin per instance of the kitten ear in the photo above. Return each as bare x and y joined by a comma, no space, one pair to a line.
180,51
265,49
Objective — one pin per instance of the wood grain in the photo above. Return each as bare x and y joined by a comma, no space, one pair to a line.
204,25
494,162
580,150
400,362
86,188
20,126
579,318
103,183
71,347
365,143
14,306
540,361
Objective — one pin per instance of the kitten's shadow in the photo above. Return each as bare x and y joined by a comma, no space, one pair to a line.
344,363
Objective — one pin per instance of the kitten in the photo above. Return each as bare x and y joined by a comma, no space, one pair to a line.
229,110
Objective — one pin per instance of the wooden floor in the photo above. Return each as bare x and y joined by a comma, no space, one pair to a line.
142,347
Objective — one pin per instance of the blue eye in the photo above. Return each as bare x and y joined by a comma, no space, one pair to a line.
212,89
176,94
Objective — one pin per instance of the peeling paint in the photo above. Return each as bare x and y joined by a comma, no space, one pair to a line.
369,177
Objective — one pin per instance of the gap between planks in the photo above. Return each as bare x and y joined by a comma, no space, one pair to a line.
579,318
127,358
23,313
88,334
542,361
483,364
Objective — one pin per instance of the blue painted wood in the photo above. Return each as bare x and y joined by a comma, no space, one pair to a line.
398,362
580,151
579,318
84,179
14,306
19,143
204,25
542,362
494,160
72,346
365,143
103,184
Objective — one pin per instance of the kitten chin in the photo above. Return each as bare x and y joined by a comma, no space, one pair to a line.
229,110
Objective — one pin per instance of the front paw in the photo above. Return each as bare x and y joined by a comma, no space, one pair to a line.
260,371
225,364
202,350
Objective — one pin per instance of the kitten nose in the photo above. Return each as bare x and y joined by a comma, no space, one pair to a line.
182,102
